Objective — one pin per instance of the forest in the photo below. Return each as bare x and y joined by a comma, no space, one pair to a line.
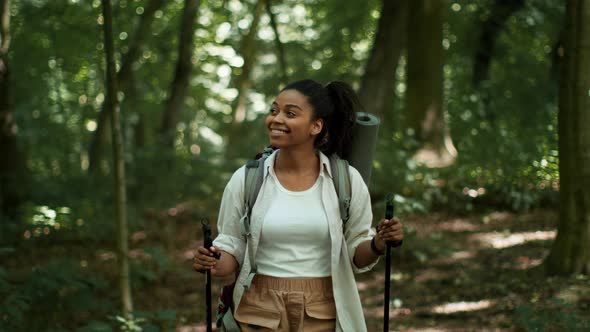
121,122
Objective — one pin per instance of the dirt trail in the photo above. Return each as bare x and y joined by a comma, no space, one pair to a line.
474,273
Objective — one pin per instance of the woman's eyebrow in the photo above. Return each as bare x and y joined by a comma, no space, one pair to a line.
274,103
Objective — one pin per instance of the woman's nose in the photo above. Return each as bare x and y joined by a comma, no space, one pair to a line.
278,118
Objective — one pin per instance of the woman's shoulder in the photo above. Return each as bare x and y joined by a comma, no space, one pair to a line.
237,179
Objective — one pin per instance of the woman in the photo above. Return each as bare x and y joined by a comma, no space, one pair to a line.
305,256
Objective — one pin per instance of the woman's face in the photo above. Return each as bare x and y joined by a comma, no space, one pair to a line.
291,122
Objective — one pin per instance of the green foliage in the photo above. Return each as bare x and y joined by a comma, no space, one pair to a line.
558,316
150,266
96,326
129,324
156,321
60,292
505,133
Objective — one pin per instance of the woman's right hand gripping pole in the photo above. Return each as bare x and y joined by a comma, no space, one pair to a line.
218,261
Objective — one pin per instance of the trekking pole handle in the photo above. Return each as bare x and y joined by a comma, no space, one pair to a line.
389,211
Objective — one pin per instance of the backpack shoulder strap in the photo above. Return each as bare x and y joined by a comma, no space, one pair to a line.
252,184
341,179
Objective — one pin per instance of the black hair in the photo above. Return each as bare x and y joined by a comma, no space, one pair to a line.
336,103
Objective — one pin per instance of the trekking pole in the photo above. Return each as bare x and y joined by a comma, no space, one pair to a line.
389,209
208,242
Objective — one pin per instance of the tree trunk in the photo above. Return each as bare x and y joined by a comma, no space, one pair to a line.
491,27
378,83
570,253
180,83
111,106
242,83
279,45
424,113
124,76
248,53
12,159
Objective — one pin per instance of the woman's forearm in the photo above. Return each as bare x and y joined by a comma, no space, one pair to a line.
364,255
225,266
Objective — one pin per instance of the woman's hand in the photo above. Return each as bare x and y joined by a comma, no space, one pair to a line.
205,259
388,230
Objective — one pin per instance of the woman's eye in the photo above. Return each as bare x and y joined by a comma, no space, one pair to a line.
273,111
291,114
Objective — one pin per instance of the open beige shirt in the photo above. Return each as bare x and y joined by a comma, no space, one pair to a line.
349,311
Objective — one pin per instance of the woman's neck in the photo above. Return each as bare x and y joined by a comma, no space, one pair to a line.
297,161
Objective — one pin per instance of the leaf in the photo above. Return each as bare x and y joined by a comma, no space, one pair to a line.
166,315
95,326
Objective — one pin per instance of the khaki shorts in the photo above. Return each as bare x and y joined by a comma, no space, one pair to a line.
290,305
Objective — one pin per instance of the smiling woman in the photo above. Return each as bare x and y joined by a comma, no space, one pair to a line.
297,260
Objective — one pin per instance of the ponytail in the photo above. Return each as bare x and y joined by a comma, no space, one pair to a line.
343,119
336,104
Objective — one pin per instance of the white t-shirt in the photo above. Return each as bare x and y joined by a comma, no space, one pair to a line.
295,239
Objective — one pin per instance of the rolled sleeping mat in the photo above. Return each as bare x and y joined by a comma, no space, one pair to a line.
364,144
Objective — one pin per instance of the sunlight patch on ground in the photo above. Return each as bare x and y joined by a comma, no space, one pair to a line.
462,255
377,312
194,328
431,274
501,241
498,216
457,225
437,329
524,262
453,307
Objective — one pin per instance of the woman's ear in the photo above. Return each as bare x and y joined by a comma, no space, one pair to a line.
317,127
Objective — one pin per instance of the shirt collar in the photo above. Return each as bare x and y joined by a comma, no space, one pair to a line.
324,161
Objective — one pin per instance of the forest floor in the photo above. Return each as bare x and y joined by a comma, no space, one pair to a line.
458,273
478,272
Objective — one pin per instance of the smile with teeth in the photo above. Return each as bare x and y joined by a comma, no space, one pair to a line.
277,131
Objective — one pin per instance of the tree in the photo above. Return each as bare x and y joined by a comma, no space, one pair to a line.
248,53
12,158
111,106
424,110
124,78
570,253
278,43
377,87
490,29
242,82
182,74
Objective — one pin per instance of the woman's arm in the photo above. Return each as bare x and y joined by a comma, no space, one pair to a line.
389,230
229,243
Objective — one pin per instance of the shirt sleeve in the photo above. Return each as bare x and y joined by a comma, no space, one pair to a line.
230,238
358,228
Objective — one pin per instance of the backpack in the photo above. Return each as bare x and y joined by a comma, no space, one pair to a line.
252,184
